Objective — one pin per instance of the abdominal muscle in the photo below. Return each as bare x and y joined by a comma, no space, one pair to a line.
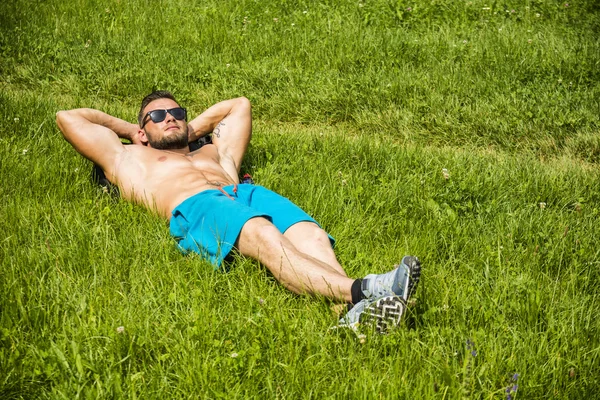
161,180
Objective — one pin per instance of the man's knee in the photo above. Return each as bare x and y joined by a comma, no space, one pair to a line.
309,234
319,236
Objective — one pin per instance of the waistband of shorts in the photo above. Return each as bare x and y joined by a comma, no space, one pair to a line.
196,196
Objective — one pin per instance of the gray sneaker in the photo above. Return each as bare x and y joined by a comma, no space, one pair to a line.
402,281
384,312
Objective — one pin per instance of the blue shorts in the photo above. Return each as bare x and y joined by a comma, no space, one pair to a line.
209,223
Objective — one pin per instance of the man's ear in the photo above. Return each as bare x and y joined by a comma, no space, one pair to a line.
142,137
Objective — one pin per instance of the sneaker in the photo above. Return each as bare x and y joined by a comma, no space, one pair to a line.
402,281
384,313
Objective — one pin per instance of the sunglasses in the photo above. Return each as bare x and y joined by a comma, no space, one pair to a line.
157,116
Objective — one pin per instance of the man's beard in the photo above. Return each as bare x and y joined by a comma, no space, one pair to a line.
171,142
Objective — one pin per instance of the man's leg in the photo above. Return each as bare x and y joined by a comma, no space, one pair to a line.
294,269
310,239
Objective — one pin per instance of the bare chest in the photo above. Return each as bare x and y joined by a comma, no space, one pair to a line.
164,162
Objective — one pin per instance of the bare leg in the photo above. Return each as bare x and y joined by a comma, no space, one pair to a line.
298,272
310,239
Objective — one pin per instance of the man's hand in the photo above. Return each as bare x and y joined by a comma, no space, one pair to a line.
133,135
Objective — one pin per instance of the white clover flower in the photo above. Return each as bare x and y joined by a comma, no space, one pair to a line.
25,151
120,329
234,355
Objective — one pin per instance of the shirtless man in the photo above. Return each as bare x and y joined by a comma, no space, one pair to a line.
210,212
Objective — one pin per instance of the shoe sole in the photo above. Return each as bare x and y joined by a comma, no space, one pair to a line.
384,313
414,274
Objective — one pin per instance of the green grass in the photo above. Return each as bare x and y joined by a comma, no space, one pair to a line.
358,107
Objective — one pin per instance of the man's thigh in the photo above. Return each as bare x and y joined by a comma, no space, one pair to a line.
283,212
209,224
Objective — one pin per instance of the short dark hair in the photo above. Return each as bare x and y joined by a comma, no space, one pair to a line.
157,94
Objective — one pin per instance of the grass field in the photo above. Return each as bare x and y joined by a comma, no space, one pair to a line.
463,132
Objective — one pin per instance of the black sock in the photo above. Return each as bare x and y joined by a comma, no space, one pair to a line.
356,291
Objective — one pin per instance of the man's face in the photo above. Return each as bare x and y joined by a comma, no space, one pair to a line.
169,134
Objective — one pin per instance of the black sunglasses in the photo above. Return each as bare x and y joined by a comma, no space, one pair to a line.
157,116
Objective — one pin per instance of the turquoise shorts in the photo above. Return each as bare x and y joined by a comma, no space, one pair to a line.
209,223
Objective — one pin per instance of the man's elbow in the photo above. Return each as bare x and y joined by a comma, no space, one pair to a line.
243,102
61,117
65,121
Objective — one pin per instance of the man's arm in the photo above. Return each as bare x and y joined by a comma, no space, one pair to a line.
230,122
95,135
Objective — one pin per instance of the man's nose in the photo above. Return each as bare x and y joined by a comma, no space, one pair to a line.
169,118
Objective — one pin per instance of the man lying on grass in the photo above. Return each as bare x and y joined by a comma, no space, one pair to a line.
210,212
